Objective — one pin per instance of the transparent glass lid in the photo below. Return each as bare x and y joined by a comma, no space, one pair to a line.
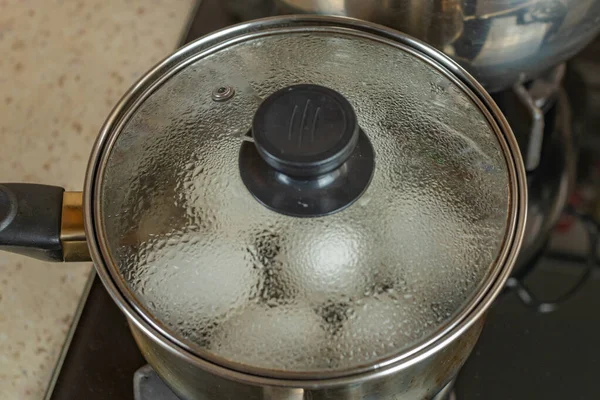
242,284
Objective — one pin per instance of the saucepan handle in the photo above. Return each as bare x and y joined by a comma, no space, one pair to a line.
43,222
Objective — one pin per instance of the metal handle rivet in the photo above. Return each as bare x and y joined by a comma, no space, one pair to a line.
223,93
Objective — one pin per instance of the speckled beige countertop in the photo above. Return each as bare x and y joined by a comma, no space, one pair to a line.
63,65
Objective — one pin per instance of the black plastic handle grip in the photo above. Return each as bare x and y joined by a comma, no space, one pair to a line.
30,219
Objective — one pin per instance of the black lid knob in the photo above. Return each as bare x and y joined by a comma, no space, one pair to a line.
310,157
305,130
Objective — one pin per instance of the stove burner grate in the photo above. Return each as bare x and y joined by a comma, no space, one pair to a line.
147,385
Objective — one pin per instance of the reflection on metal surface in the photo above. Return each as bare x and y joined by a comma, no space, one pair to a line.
147,385
498,41
447,393
550,178
72,234
536,137
542,92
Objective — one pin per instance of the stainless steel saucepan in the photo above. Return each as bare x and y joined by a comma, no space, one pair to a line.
500,42
294,208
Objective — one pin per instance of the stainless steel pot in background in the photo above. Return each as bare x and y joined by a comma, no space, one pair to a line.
279,219
500,42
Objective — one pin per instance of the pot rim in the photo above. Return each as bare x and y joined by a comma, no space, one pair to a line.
151,327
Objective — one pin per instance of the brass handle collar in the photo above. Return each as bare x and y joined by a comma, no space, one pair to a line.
72,233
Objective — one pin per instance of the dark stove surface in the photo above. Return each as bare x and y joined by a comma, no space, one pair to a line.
522,354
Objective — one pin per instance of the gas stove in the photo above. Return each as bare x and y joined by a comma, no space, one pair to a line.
540,340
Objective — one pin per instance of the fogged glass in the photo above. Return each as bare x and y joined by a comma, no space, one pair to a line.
246,284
